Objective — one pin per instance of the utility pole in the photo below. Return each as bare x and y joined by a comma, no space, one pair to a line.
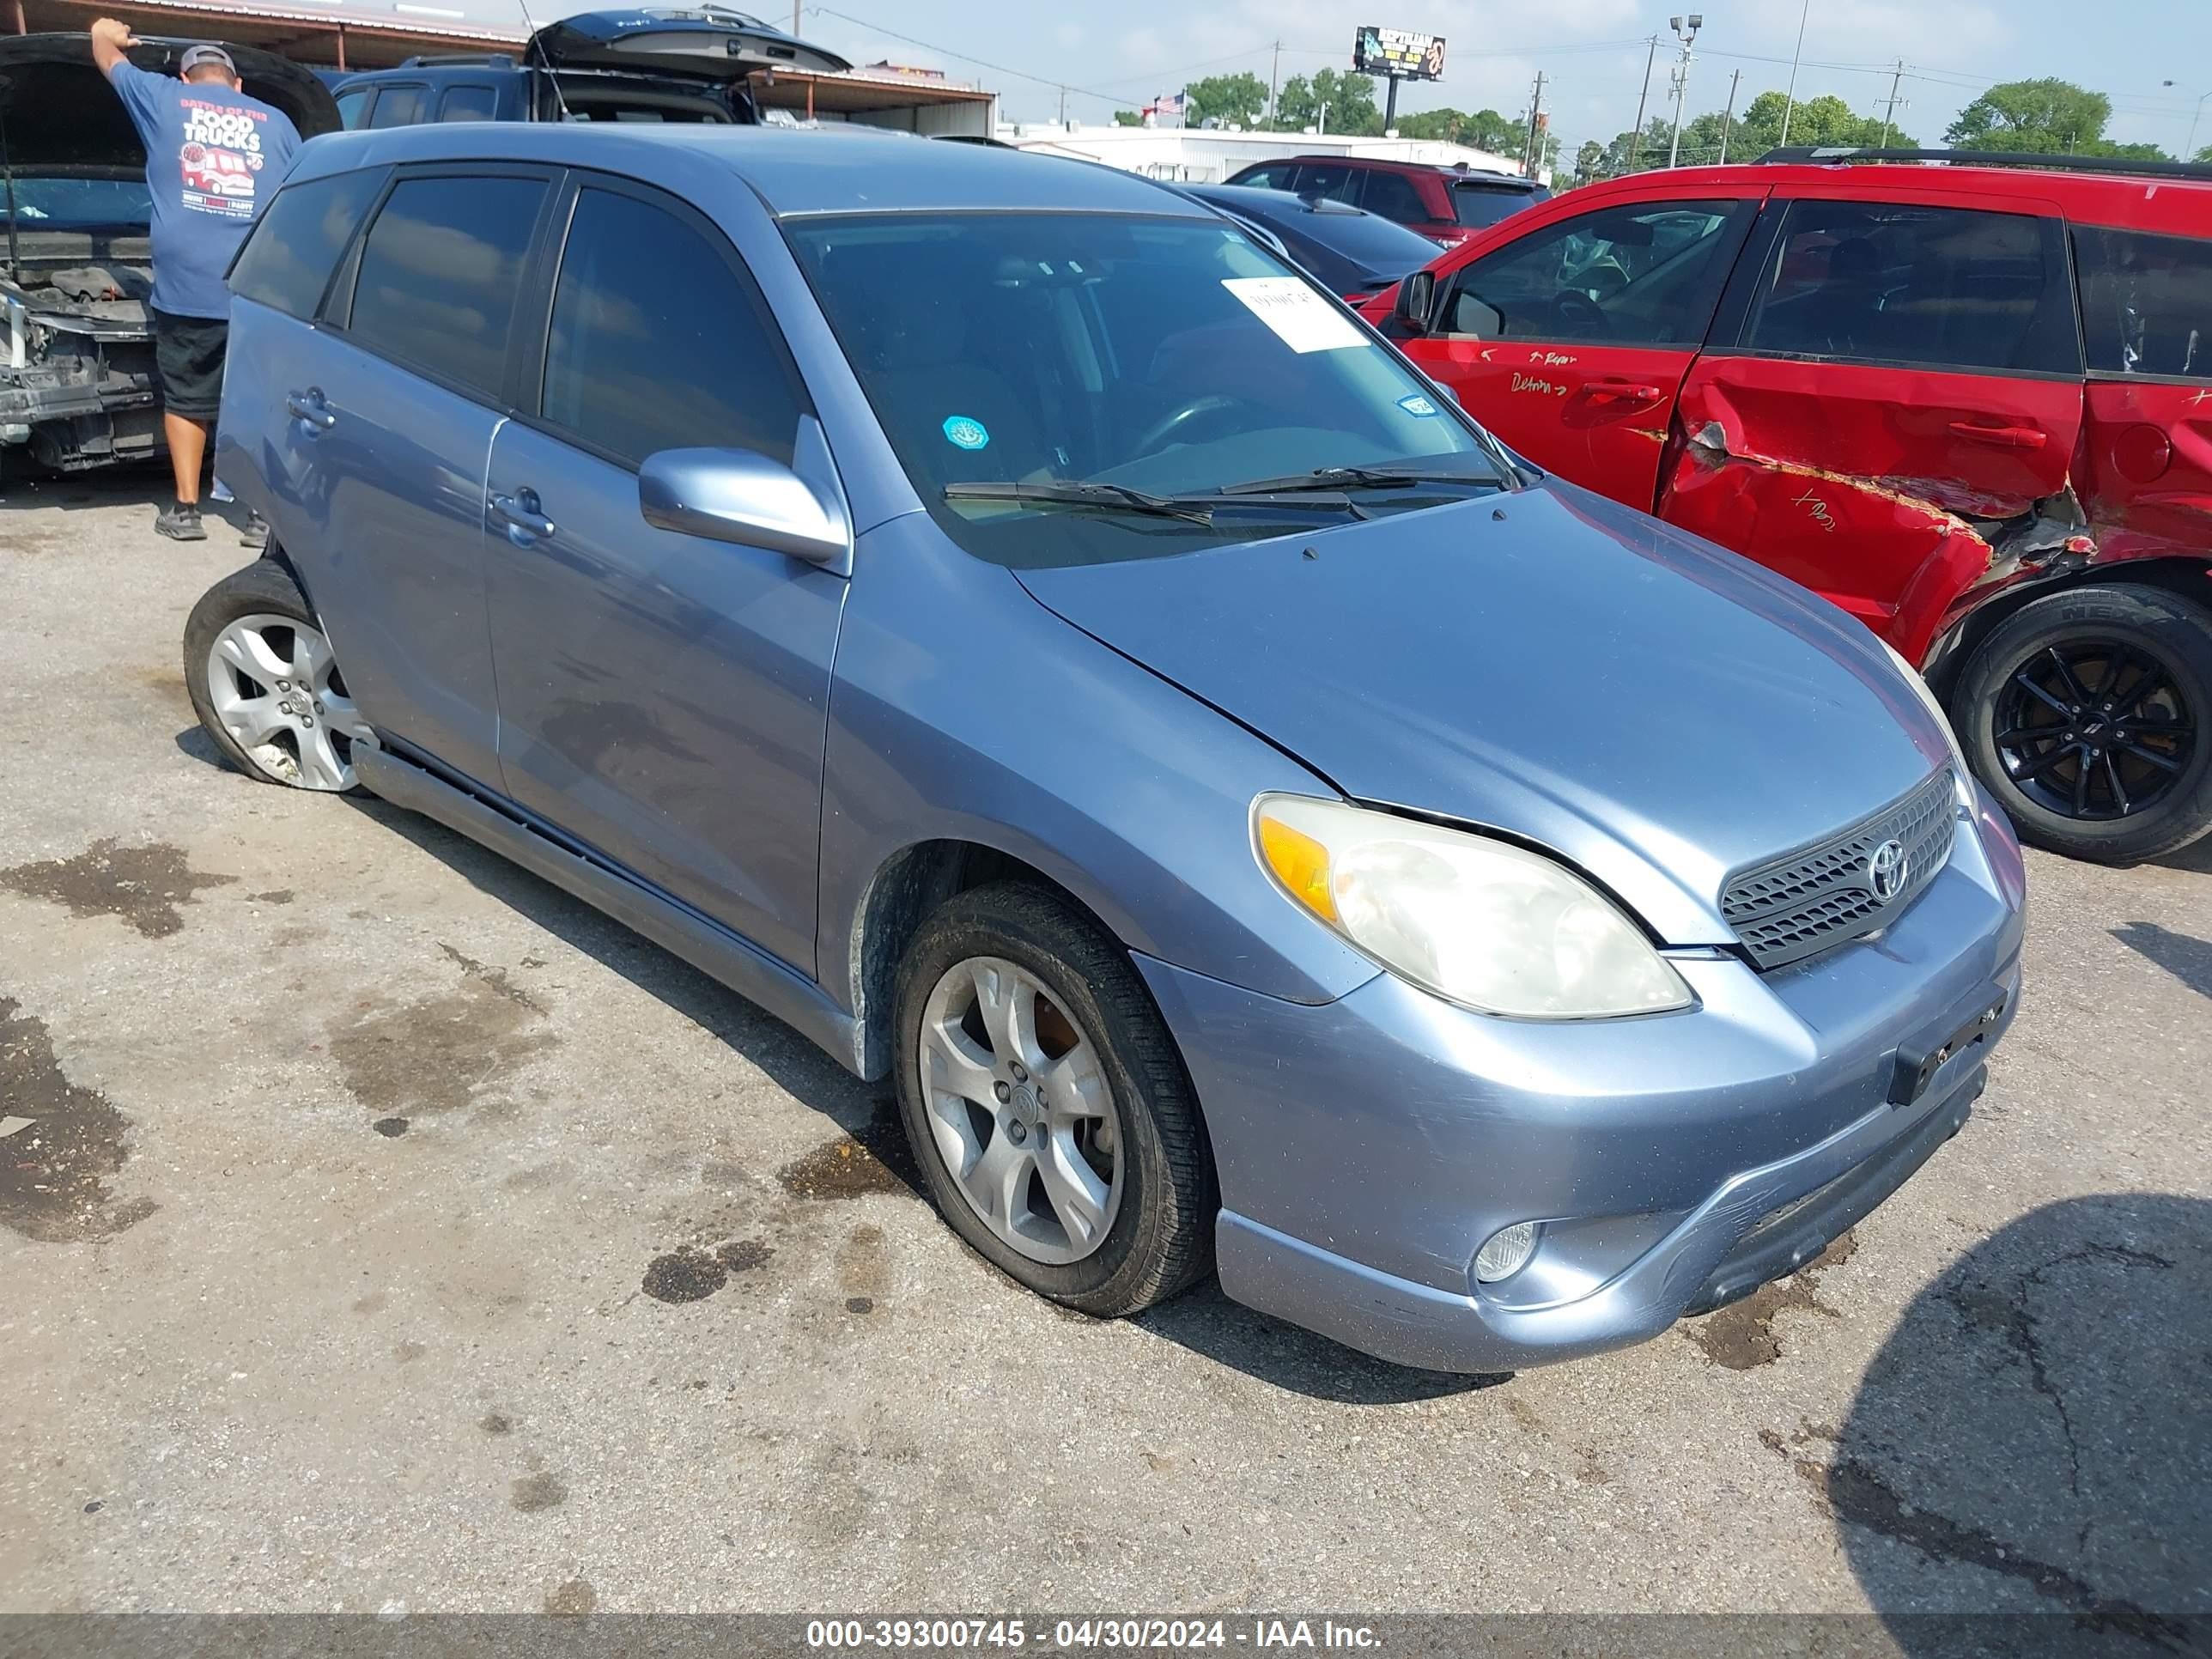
1636,138
1274,71
1063,107
1889,116
794,16
1532,149
1789,98
1681,77
1728,119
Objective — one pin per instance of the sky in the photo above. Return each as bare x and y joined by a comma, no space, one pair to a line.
1592,52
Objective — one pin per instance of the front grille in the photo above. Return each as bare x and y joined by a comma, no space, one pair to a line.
1804,902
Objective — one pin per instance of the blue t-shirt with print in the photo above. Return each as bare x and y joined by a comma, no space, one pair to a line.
214,157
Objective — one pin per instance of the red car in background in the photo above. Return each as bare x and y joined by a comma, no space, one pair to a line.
1971,404
1445,204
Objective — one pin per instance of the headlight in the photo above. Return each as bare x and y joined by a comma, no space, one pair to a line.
1478,921
1928,701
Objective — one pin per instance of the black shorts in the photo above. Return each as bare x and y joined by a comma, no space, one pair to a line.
188,351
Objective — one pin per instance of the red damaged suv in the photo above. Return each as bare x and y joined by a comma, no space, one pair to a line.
1969,403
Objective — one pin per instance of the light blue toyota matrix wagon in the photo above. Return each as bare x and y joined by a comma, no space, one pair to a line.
993,613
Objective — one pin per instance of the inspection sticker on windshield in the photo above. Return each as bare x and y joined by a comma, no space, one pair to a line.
1417,405
1301,319
966,433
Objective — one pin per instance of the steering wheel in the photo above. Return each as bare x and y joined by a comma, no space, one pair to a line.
1577,313
1173,422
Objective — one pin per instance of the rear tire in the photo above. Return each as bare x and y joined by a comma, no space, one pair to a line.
266,685
1094,1048
2086,716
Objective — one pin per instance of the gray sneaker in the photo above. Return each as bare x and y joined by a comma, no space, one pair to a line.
255,533
180,523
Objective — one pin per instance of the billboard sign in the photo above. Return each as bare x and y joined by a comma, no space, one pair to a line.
1399,53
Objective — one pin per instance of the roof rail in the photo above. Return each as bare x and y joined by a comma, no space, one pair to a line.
1818,157
477,59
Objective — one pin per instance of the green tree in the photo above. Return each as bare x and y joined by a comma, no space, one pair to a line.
1241,99
1589,161
1127,117
2043,117
1348,101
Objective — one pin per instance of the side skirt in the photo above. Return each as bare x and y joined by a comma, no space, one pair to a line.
706,945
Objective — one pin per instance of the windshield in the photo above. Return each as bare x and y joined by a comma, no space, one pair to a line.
67,203
1169,357
1485,205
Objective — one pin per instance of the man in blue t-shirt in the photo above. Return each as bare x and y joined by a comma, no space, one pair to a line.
214,157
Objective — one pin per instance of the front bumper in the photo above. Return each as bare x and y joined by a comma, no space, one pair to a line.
1367,1147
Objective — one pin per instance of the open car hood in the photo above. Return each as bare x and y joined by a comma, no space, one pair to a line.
59,112
709,42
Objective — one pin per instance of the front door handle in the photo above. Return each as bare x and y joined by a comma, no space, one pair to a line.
1626,392
520,510
2004,437
309,407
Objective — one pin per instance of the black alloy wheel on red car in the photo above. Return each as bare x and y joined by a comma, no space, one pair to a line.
2084,714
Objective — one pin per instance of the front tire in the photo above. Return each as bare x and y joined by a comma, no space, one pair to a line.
265,683
2084,714
1047,1104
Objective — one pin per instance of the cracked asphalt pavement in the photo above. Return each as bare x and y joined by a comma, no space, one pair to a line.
382,1229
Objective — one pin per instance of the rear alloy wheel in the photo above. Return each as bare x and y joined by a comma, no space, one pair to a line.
266,685
1047,1105
2084,714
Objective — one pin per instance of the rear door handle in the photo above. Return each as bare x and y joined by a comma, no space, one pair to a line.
308,406
520,512
2004,437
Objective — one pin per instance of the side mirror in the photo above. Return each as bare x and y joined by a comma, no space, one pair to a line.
1451,391
1417,298
743,497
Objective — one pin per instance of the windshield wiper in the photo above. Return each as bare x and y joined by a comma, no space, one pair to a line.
1118,498
1121,498
1360,478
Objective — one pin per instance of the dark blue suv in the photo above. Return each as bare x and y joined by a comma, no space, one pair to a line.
656,65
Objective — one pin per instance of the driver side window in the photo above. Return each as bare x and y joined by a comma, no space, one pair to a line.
1643,273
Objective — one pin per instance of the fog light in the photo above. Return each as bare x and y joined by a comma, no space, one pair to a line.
1506,1252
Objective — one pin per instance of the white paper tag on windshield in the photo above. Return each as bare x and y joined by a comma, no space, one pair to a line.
1301,319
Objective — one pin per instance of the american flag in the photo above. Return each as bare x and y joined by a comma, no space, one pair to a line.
1165,105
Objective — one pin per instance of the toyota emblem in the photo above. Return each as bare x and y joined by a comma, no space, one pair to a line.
1887,869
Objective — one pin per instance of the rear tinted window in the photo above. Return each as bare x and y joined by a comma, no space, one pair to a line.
2146,302
1485,205
657,343
397,106
1394,196
288,261
438,274
468,102
1950,288
1275,175
1329,178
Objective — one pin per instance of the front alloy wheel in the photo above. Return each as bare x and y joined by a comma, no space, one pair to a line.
1047,1104
1020,1111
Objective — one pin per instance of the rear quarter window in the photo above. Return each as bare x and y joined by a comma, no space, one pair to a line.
287,260
2146,302
470,102
397,106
